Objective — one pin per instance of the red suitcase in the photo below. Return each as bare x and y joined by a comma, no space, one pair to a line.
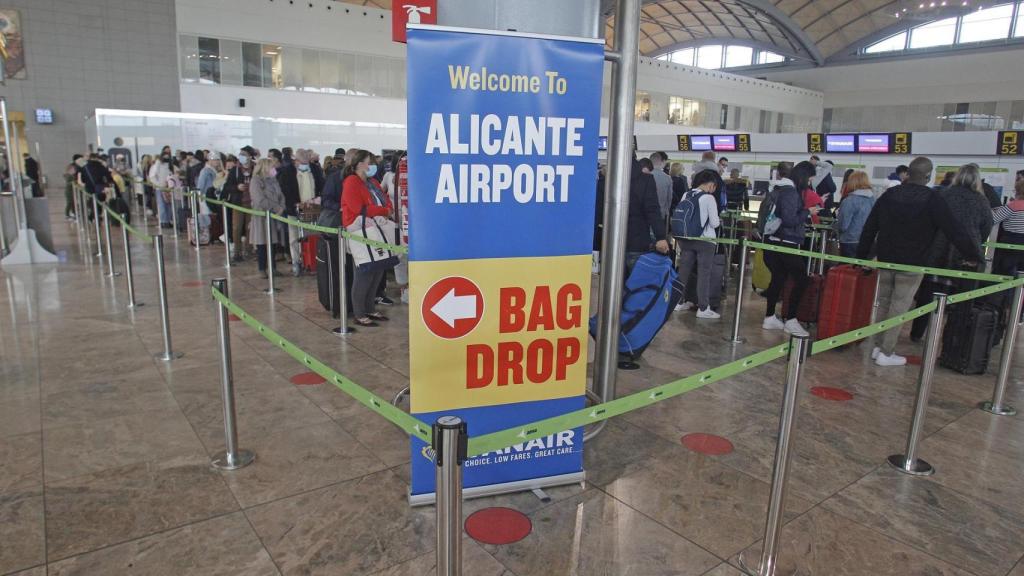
309,252
809,303
847,301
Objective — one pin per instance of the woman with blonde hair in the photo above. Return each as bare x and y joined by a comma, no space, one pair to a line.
266,196
858,200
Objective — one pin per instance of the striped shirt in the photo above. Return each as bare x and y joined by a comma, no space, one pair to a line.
1011,216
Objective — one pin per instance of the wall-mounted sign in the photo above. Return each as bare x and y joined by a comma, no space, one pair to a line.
902,143
44,116
1009,143
716,142
815,143
743,142
411,12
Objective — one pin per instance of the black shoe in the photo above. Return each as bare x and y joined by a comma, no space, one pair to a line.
385,301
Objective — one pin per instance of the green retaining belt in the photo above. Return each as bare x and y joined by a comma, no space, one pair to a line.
145,237
408,423
883,265
1003,246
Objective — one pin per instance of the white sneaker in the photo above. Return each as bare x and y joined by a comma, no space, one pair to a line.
684,306
894,360
773,323
708,314
795,328
875,352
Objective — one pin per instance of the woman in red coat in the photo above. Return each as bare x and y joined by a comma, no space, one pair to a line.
361,194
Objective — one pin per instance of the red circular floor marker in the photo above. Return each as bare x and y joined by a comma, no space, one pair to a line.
498,526
834,394
233,318
193,284
914,360
707,444
307,379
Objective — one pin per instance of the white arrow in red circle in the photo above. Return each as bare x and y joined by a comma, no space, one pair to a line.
453,308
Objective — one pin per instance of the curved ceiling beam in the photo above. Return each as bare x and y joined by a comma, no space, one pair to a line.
790,26
781,19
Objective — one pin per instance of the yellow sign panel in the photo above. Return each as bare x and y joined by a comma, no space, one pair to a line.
498,331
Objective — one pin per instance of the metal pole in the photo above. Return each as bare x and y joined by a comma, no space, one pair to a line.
874,304
227,237
96,225
824,252
810,261
909,463
174,211
735,337
78,208
12,169
449,454
128,265
165,321
111,272
343,329
997,406
233,457
620,166
194,199
268,245
799,348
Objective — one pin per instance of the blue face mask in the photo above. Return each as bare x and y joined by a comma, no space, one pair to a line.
371,171
303,167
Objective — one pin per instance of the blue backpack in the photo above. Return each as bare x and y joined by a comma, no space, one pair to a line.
686,221
651,293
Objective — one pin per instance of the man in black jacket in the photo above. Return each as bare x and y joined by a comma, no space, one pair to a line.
901,229
645,228
288,178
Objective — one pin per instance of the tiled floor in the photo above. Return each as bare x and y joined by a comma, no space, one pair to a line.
104,451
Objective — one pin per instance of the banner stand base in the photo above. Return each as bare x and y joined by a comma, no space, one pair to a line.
506,488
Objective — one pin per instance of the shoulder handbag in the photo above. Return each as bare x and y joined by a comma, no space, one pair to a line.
366,257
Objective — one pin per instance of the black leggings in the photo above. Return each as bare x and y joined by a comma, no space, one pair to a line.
784,267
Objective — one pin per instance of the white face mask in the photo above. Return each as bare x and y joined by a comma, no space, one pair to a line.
303,167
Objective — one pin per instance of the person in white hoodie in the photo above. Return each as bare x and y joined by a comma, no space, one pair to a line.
701,252
160,176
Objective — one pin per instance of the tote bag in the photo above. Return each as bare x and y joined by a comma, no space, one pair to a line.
369,258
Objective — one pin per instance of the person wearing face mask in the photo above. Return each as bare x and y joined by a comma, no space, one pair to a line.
361,194
160,176
287,177
266,196
236,191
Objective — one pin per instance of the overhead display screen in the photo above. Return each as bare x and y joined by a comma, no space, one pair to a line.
726,143
840,143
873,143
700,143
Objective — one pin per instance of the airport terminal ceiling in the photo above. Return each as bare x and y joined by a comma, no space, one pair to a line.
811,31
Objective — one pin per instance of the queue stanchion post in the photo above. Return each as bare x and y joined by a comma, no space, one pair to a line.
343,329
165,318
233,457
174,211
908,462
824,252
227,237
111,272
810,261
194,205
128,272
96,227
998,405
741,281
450,443
799,350
269,253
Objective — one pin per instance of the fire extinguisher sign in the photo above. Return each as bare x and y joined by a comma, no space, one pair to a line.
503,137
405,12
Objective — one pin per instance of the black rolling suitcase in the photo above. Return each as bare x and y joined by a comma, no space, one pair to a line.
717,275
969,336
327,278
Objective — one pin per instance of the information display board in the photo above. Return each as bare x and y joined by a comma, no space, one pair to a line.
840,143
716,142
503,139
1010,143
874,143
815,143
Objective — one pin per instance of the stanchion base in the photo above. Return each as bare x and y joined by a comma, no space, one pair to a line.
268,291
241,460
628,365
1003,410
745,566
165,358
344,332
919,468
137,305
112,275
731,340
